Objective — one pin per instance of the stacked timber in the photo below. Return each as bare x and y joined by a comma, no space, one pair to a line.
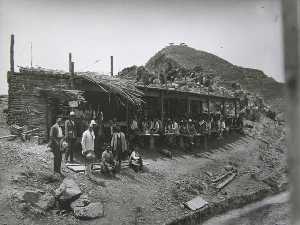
26,105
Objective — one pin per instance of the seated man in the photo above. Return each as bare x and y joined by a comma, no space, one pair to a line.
135,160
108,165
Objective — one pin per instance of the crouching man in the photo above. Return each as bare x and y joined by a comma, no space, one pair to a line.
108,165
135,160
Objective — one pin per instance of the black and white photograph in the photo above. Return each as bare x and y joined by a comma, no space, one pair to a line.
149,112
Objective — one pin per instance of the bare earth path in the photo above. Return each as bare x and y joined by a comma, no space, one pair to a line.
149,197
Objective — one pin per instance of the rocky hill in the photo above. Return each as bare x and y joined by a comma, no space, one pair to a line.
190,59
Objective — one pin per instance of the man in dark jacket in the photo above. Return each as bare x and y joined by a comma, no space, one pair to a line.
56,135
70,135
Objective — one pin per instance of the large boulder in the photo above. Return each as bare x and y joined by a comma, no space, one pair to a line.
91,211
68,190
46,202
82,201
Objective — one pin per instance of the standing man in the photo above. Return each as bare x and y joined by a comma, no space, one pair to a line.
56,135
88,139
70,135
118,144
88,144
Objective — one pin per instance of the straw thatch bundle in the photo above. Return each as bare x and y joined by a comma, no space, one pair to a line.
122,87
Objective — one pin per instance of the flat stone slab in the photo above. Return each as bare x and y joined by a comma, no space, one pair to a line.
196,203
92,211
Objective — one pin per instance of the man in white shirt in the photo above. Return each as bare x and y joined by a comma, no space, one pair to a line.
135,160
88,145
88,139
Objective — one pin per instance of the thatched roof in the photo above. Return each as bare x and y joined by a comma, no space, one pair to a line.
114,85
121,87
67,95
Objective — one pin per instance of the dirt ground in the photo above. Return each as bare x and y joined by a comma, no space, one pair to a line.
270,211
153,196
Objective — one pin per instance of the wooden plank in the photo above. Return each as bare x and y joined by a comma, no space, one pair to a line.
226,182
8,136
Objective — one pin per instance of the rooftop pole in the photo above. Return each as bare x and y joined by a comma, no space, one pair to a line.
12,43
111,66
70,62
31,54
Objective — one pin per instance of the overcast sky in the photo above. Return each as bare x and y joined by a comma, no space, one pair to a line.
246,33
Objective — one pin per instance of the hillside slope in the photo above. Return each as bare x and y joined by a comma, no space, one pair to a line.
252,80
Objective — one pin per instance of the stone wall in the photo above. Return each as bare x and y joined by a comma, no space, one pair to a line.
26,105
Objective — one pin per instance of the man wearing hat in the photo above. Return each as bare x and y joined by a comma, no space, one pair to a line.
56,135
88,139
88,144
70,136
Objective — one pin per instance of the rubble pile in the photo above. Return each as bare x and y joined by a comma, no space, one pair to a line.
67,197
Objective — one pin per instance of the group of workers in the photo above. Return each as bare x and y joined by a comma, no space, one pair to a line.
63,136
213,123
63,141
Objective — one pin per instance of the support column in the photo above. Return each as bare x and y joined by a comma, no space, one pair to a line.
188,106
208,106
127,116
200,107
162,110
235,109
224,108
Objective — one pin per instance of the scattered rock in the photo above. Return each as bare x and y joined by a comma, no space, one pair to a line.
28,196
67,190
47,201
82,201
91,211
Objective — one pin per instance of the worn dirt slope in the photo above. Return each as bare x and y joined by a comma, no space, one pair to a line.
154,196
252,80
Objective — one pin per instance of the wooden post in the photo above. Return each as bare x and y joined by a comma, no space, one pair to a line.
189,106
72,69
235,108
127,115
223,108
208,107
72,75
111,65
12,62
201,107
70,62
162,106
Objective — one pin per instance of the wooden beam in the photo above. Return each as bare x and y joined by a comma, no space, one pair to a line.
12,62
